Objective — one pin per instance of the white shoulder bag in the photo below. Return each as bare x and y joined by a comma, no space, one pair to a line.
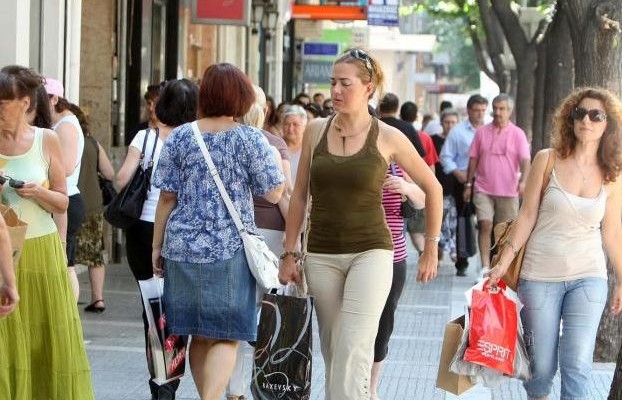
263,264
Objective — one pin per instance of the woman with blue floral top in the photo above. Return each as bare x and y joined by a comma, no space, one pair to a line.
209,292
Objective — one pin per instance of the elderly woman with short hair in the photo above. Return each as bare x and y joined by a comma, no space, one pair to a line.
294,125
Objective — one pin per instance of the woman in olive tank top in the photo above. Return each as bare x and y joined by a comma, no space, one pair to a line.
348,267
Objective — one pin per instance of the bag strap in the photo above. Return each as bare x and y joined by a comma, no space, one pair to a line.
550,162
233,212
153,149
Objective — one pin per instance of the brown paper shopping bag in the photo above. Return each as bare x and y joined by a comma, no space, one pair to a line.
17,231
445,379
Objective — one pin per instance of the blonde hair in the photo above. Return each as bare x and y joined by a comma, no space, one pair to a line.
255,116
371,72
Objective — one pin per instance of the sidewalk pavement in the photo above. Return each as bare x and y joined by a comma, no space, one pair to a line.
115,343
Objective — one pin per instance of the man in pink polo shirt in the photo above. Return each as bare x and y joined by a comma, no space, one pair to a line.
499,160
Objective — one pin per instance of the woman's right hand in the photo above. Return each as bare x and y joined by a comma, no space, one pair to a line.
8,299
157,262
288,271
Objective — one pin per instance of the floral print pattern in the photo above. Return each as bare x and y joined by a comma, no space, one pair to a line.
199,229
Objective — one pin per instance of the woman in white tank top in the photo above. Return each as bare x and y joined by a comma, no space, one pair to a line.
69,132
563,283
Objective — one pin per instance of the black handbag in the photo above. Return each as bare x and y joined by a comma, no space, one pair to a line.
107,189
465,232
105,185
406,209
127,206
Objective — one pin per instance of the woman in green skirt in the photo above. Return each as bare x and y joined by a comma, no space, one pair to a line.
42,339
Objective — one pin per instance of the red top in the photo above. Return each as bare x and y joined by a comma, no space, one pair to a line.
431,156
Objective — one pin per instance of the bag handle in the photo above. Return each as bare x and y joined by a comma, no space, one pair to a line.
550,162
153,149
233,212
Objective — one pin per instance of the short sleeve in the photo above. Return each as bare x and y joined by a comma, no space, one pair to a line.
523,146
167,175
279,143
474,149
138,140
265,175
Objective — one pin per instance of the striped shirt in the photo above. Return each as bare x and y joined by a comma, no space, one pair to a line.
391,201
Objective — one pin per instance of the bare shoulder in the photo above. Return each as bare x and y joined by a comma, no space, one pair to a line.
49,136
390,135
614,189
314,129
542,158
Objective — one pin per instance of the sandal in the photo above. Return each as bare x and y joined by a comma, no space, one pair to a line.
94,308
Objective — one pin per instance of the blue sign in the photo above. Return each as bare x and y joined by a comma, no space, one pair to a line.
383,13
316,71
320,49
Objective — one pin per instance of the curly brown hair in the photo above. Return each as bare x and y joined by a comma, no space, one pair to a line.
563,139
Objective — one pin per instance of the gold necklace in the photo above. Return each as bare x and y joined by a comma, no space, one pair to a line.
343,137
580,170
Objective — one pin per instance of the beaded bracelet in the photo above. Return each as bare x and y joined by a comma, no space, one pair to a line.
514,249
296,254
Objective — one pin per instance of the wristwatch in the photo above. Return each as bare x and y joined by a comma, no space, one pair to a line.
468,185
432,238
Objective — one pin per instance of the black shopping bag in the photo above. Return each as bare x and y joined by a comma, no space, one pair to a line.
465,232
166,353
282,362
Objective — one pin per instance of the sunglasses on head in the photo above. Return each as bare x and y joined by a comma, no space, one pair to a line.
595,115
364,58
14,183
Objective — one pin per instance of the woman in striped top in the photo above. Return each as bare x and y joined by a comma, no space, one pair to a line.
396,189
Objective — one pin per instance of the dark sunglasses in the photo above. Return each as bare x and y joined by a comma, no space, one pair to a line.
14,183
595,115
364,58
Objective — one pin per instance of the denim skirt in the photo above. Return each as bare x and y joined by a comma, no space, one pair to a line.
215,300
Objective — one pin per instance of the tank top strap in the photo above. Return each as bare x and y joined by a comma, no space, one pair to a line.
38,144
322,144
372,135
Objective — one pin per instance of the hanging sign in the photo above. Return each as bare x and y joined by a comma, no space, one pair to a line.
383,13
221,12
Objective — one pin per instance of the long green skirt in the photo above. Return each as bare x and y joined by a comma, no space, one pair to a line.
42,339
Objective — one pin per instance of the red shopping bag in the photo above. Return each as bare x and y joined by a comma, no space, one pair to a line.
493,329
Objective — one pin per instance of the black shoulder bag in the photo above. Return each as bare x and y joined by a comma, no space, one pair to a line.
127,206
105,185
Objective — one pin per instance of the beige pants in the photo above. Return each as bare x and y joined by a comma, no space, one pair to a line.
350,293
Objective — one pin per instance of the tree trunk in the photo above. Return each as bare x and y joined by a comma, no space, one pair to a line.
595,31
556,70
494,44
525,55
616,385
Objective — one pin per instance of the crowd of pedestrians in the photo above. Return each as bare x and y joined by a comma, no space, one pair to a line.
331,184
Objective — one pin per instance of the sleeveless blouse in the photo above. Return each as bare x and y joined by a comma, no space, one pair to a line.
89,178
29,167
72,180
566,243
346,212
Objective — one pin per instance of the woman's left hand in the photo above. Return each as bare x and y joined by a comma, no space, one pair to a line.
395,184
157,262
428,266
616,301
30,190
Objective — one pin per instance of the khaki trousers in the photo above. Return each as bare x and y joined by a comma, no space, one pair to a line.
350,293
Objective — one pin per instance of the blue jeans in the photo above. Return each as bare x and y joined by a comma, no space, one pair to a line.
578,306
